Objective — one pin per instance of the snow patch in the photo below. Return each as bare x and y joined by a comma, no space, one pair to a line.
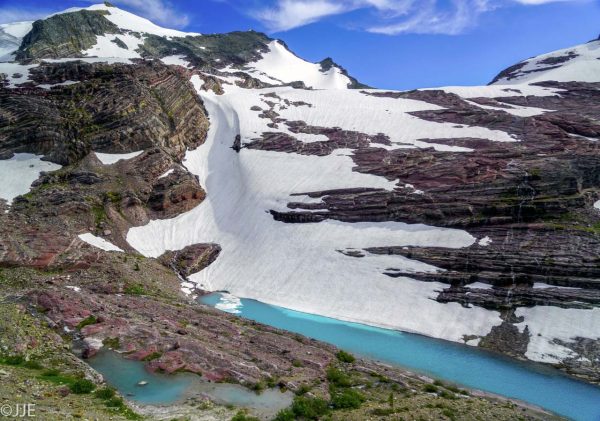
16,73
65,83
98,242
485,241
19,172
113,158
177,60
548,323
167,173
106,46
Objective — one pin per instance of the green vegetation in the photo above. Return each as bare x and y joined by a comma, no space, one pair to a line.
243,416
82,386
154,356
338,378
430,388
135,289
105,393
112,343
345,357
347,399
309,408
89,320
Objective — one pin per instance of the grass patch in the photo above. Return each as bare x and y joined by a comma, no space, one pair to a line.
135,289
20,361
243,416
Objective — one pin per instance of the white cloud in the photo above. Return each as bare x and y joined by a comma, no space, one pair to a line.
388,16
158,11
538,2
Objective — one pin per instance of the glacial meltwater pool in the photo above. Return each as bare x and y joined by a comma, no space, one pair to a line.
163,389
539,385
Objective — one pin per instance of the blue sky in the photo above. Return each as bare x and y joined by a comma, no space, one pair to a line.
400,44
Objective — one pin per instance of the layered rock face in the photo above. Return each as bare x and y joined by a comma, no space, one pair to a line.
111,108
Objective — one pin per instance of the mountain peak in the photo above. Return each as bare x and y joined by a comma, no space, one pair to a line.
102,31
580,63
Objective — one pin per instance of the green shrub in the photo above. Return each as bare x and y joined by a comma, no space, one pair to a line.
82,386
115,402
338,378
33,364
105,393
345,357
14,360
429,388
303,390
447,395
259,386
347,399
285,415
310,408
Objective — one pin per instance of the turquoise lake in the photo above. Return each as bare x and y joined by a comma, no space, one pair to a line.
533,383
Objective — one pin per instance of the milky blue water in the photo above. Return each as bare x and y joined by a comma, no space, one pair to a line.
162,389
461,364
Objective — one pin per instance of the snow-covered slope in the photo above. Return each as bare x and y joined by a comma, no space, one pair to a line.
280,65
11,35
300,266
580,63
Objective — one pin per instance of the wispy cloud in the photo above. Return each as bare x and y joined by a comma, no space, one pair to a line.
387,16
11,14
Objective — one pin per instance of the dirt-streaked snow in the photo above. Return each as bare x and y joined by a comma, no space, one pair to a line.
98,242
18,172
